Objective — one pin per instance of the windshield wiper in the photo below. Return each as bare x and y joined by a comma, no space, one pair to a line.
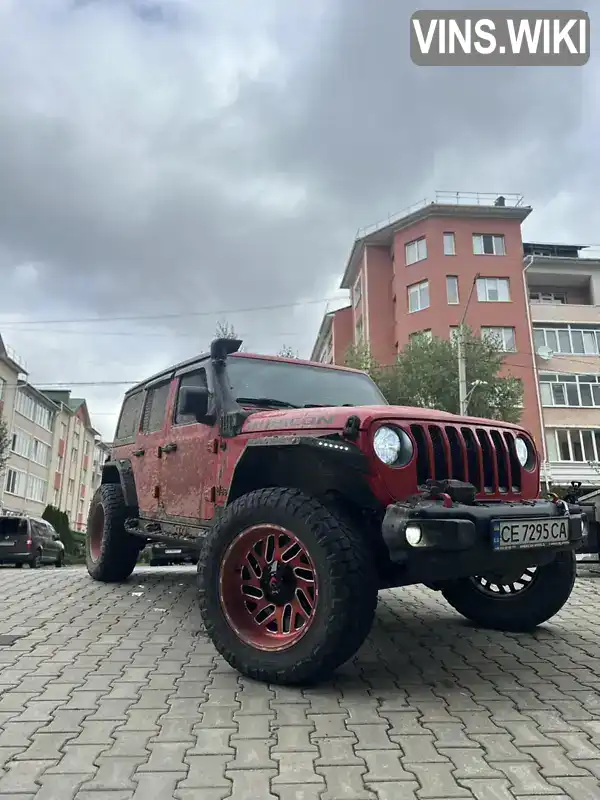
327,405
265,401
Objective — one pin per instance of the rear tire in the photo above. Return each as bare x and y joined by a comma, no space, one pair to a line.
36,561
525,609
111,552
343,587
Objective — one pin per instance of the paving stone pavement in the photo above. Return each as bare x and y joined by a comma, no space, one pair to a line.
114,693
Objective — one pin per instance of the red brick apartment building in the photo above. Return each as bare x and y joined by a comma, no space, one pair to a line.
417,273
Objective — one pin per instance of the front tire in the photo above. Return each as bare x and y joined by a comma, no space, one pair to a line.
111,552
488,603
287,590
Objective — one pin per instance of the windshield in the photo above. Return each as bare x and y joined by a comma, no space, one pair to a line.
300,385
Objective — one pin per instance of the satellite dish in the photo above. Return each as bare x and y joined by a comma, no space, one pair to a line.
545,353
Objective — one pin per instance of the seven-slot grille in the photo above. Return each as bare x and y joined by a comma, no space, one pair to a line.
485,457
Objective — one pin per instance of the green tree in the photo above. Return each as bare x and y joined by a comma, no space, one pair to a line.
426,375
60,522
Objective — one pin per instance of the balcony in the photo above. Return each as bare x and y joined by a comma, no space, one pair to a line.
565,313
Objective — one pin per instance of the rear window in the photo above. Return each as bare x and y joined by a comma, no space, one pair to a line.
13,526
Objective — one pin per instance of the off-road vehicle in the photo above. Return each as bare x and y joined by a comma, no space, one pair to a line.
308,494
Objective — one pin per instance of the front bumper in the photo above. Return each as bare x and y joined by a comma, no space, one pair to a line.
469,531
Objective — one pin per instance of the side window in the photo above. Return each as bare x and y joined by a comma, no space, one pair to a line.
37,530
130,415
195,378
155,408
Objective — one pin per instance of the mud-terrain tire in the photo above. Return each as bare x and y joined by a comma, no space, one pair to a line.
344,582
522,611
111,552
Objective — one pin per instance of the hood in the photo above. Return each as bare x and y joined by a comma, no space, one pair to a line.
335,418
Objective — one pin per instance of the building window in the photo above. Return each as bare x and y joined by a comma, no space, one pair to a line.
21,443
25,405
422,335
493,290
2,387
568,340
453,333
357,291
488,244
415,251
71,486
449,244
452,289
418,296
16,482
571,391
60,464
358,331
550,298
40,453
573,445
43,417
504,338
36,489
63,430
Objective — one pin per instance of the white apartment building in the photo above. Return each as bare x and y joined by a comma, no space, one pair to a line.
27,475
564,305
55,456
75,458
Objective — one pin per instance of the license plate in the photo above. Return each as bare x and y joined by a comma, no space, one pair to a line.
529,533
172,552
6,544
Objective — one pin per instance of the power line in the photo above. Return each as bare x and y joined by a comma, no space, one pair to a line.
140,334
173,315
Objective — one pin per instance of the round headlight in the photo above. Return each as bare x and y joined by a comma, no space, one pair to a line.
392,446
522,450
525,453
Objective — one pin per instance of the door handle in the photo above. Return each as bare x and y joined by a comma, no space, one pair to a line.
139,453
169,448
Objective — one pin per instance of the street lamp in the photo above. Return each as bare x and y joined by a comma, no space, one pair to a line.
474,385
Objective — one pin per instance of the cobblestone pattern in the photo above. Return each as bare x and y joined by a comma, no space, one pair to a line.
114,693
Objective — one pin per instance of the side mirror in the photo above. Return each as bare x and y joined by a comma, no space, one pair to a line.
193,401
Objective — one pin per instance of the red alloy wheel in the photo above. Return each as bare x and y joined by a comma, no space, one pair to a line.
268,587
96,532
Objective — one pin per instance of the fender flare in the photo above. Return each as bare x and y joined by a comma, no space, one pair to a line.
121,472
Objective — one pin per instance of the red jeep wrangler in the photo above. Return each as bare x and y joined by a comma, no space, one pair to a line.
309,493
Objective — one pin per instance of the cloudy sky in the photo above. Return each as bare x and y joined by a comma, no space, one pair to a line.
204,159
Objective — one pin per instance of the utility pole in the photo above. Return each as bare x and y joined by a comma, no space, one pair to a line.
462,356
462,372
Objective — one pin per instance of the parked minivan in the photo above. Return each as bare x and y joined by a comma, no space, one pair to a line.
28,540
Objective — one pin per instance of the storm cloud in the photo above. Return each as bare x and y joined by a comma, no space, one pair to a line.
200,157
